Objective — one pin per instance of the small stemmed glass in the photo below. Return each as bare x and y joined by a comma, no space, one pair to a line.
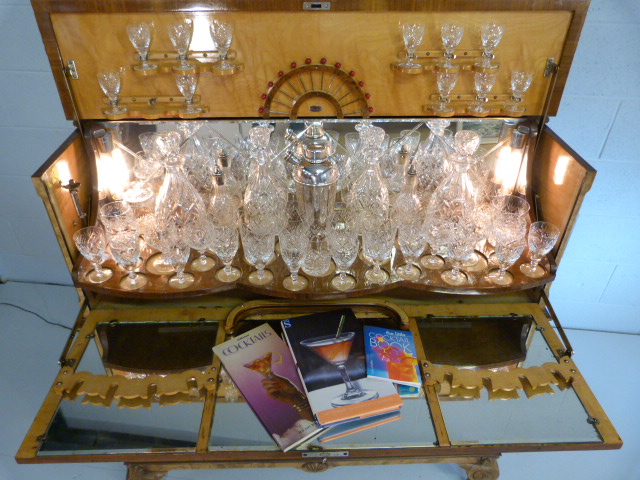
294,246
111,82
506,254
446,79
258,251
412,239
187,85
222,36
451,34
490,35
125,248
344,247
520,83
377,247
412,34
200,239
140,36
225,245
180,35
92,243
177,254
542,238
117,216
432,261
484,80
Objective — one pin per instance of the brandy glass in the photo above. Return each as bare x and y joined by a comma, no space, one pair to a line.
377,247
412,34
344,247
506,255
483,84
110,82
258,251
177,254
92,243
140,36
412,240
125,248
446,80
520,83
451,35
490,35
541,239
294,246
187,85
335,350
222,36
225,245
180,34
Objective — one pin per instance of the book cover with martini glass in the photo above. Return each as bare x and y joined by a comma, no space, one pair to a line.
328,349
261,366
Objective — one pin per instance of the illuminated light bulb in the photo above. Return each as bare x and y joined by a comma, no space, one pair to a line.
64,174
113,174
560,172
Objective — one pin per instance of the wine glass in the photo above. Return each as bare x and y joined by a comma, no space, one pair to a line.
344,247
177,254
484,81
520,83
451,35
140,36
506,255
111,82
125,248
225,245
200,239
490,35
412,240
542,238
509,218
294,246
432,261
412,34
222,36
460,242
187,85
377,247
92,243
446,79
180,34
117,216
258,251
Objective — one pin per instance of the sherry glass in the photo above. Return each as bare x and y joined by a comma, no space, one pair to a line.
506,255
490,35
412,239
446,79
520,83
222,36
180,34
335,350
125,248
187,85
294,246
92,243
140,36
412,34
178,256
451,35
542,238
111,82
377,247
344,247
200,239
483,83
225,245
258,251
117,217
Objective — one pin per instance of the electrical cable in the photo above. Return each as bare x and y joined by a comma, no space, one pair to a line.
36,314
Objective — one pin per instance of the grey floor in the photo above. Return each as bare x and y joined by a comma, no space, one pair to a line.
29,349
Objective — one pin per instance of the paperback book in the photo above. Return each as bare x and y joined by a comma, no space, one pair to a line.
328,348
343,429
391,355
261,365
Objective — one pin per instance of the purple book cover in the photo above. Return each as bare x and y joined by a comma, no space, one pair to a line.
261,365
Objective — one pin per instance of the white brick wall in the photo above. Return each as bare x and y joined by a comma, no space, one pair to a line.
597,286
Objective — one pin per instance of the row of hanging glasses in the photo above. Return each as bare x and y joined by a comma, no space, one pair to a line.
430,200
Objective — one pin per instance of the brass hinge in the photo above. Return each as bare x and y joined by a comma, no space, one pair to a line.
551,68
70,70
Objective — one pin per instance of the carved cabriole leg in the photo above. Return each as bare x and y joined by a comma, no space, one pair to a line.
486,469
137,471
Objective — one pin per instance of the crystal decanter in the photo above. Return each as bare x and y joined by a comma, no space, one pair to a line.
431,158
225,201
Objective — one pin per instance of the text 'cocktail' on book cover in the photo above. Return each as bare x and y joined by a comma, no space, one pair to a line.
261,365
391,355
328,348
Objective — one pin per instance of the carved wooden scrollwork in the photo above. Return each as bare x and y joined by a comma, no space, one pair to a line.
487,469
141,472
316,467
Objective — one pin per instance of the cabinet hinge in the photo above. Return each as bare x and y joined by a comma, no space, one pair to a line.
551,68
70,70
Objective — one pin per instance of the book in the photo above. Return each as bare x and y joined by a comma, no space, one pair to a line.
391,355
343,429
261,366
328,349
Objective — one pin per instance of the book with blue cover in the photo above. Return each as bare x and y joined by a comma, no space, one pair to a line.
391,355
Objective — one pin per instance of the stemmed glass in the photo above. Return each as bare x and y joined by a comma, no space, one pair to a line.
92,243
490,35
294,246
200,239
117,216
187,85
460,241
446,79
542,238
111,82
180,35
344,247
140,36
483,83
506,255
412,34
258,251
451,34
520,83
225,245
377,247
177,255
222,36
432,261
125,248
412,239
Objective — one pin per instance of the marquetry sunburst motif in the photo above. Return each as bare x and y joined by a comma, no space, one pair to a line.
316,90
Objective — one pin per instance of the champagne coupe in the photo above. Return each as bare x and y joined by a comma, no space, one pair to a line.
335,350
412,239
187,85
178,256
92,243
344,247
225,245
451,35
483,83
111,82
446,79
490,35
520,83
258,251
294,246
180,35
125,248
140,36
222,36
542,238
377,247
200,239
506,255
412,34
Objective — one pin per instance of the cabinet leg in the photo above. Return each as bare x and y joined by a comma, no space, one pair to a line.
140,471
486,469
